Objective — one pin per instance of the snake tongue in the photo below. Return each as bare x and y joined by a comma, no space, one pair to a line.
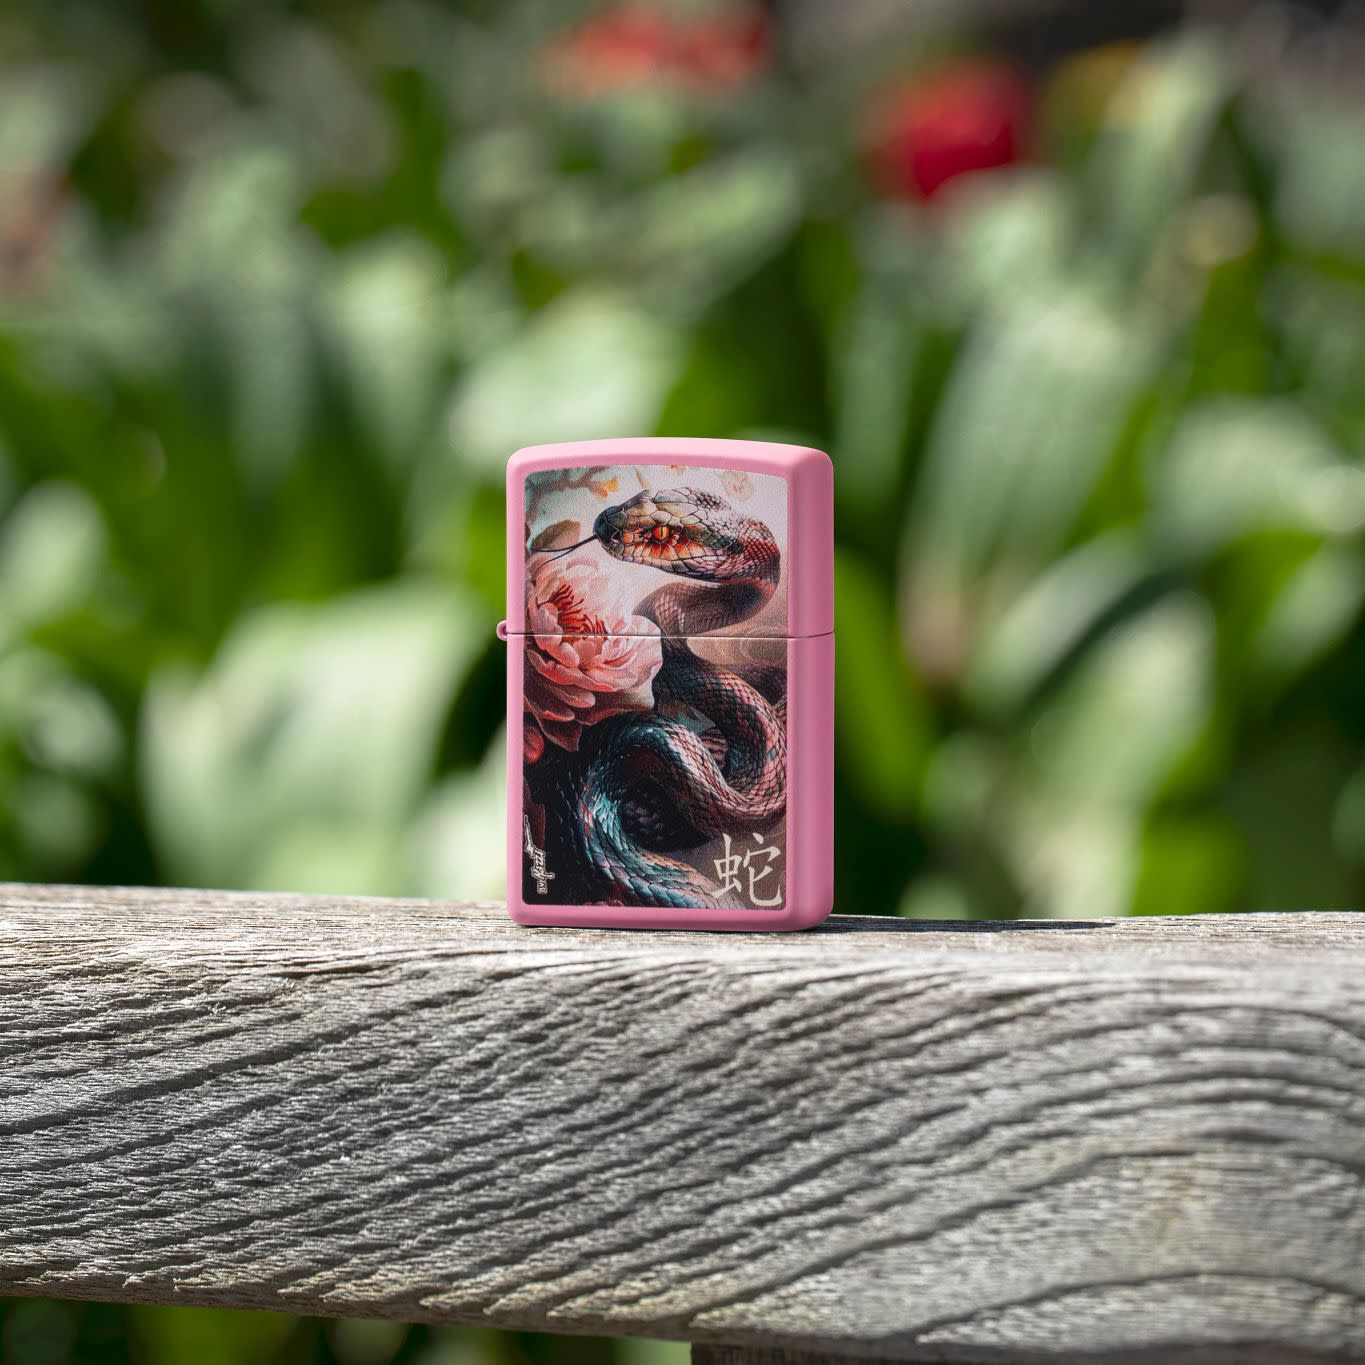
559,554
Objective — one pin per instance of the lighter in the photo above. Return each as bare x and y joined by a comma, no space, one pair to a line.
670,684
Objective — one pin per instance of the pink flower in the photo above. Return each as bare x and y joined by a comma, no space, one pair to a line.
585,658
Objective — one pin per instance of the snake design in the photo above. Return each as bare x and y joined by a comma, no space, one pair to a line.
711,757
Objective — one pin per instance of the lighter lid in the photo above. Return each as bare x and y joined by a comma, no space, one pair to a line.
605,475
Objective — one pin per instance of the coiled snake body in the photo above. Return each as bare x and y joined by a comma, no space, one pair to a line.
711,758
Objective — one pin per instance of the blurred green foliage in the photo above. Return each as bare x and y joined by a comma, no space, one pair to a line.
44,1332
282,285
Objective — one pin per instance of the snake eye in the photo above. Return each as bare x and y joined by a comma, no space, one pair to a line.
662,533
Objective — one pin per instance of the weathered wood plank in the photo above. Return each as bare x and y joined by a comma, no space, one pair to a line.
1132,1140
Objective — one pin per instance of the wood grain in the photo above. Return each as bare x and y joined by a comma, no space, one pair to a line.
1131,1140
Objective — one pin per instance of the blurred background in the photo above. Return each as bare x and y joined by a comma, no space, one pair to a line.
1074,295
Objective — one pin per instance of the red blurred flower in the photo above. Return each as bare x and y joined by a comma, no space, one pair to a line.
971,116
724,51
630,45
609,51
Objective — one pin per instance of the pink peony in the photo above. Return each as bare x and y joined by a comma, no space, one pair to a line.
582,667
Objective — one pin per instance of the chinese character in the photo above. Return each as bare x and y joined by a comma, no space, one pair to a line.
757,862
756,875
727,869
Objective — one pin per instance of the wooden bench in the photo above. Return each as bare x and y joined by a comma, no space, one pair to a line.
1138,1140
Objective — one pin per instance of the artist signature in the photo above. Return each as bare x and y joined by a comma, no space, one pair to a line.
540,873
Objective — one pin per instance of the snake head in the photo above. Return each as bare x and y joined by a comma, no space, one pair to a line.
680,530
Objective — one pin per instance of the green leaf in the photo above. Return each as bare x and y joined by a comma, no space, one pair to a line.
45,108
1034,411
936,898
313,82
459,838
1319,197
1132,709
875,362
299,757
1010,234
1312,612
698,234
1320,322
52,553
1157,133
230,277
211,1336
586,365
1100,752
1234,467
1049,619
386,305
883,725
1286,794
1190,865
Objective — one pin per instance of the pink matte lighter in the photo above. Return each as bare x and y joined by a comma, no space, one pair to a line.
670,685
